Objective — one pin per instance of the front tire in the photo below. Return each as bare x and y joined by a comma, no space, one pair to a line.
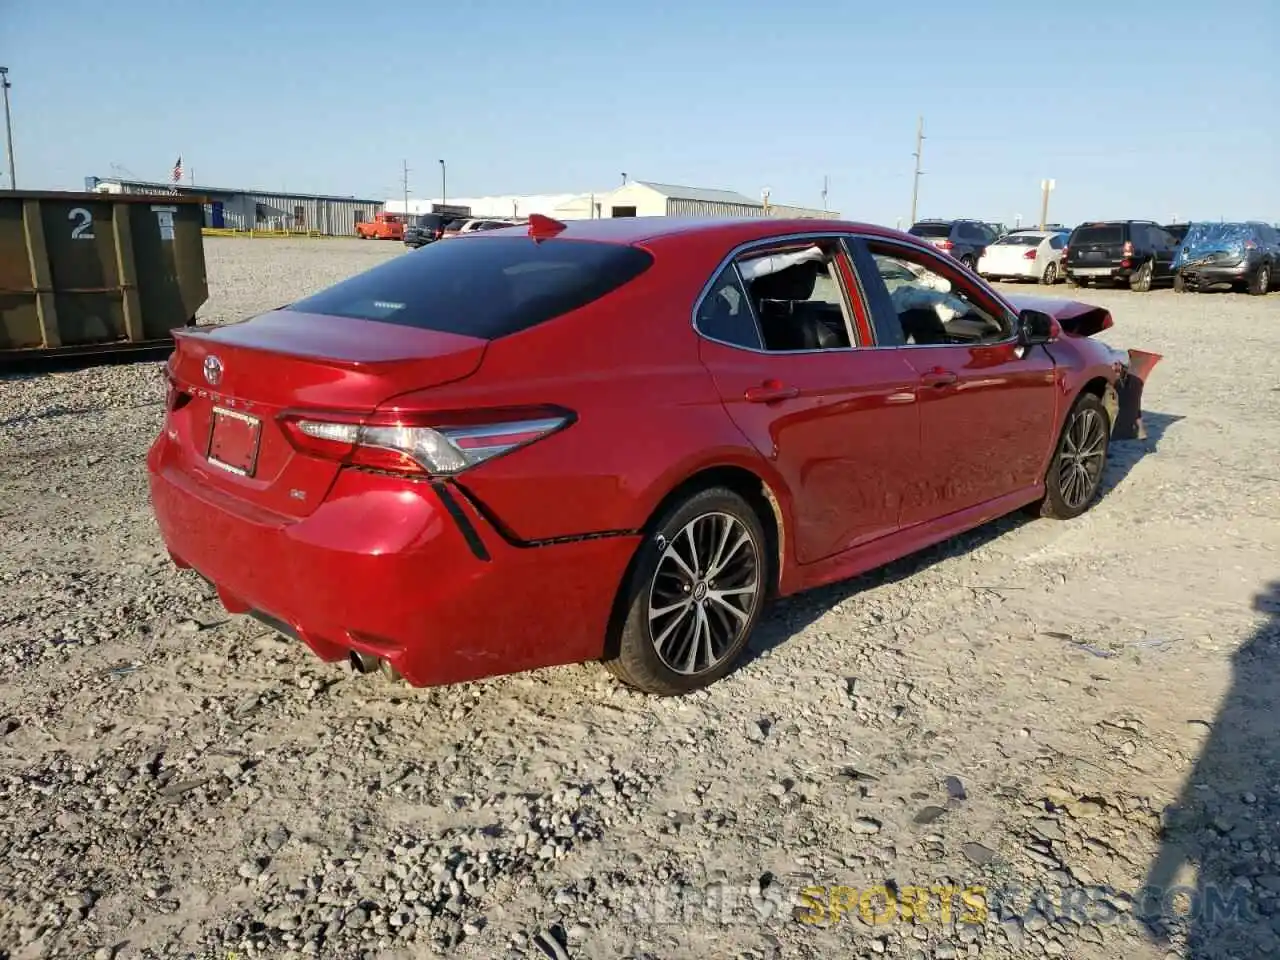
694,595
1261,281
1075,473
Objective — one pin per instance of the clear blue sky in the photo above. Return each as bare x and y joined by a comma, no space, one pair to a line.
1136,110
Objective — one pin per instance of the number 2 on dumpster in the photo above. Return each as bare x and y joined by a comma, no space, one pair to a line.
84,229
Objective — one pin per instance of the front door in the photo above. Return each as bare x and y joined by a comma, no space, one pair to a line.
838,421
986,404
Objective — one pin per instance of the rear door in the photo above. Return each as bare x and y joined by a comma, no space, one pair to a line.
839,421
988,408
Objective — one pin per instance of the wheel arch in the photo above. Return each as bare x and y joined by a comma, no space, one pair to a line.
753,488
759,493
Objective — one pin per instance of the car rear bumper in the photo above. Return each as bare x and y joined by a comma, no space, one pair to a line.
1027,269
404,571
1098,271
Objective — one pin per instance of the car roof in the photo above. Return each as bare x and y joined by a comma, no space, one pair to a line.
639,230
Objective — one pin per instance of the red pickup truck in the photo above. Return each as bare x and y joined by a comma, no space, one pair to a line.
383,226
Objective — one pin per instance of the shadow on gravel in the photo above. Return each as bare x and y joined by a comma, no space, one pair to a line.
1124,455
1226,823
785,618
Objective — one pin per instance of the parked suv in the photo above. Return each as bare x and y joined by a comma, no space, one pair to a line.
963,239
1137,252
1228,254
424,229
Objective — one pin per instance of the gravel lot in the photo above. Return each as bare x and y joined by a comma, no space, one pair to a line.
1062,711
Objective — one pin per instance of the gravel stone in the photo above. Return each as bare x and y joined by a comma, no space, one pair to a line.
226,790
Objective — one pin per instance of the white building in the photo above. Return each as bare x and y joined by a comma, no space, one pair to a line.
640,198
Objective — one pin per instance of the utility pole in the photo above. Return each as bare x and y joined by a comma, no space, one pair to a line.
1045,187
624,179
824,192
915,185
404,182
8,126
443,194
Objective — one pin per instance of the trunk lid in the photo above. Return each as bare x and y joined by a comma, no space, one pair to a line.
232,383
1010,256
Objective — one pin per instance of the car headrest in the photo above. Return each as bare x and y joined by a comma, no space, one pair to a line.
793,283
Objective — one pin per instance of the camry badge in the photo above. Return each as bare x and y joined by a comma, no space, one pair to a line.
212,369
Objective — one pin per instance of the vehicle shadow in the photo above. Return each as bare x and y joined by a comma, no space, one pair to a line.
789,616
1123,455
1226,823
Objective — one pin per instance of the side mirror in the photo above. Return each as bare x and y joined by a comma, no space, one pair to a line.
1035,326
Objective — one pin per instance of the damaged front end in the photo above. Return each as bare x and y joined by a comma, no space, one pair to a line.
1124,403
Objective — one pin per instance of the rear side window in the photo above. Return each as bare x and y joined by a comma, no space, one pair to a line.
1108,234
1057,241
483,287
931,230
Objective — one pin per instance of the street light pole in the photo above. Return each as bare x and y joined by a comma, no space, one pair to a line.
8,126
1045,187
444,197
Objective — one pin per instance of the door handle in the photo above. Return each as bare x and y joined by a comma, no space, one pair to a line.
938,377
770,391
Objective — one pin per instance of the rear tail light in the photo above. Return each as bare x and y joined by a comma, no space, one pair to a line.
945,244
407,444
1030,254
1250,245
1064,252
1128,249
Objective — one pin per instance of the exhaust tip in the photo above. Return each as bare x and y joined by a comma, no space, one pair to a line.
362,662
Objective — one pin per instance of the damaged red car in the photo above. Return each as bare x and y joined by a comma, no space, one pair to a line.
615,440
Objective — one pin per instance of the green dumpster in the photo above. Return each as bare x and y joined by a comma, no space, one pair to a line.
97,273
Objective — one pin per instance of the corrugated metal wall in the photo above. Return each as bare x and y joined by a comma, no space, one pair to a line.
681,207
334,217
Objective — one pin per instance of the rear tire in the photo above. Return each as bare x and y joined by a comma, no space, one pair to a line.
1075,473
1260,282
693,596
1179,285
1140,281
967,260
1077,281
1050,275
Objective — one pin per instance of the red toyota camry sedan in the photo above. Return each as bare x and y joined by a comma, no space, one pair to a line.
615,439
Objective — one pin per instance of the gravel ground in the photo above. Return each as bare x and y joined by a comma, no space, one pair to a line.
1053,714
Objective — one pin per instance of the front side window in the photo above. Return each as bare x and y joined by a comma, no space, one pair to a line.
919,300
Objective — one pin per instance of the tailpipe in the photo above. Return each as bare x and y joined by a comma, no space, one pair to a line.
367,663
1128,425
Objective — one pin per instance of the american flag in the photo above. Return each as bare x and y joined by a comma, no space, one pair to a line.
177,170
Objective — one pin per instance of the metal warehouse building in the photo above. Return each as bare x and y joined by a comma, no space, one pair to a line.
240,209
640,198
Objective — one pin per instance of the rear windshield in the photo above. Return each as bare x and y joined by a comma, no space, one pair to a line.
1020,240
931,230
482,287
1112,234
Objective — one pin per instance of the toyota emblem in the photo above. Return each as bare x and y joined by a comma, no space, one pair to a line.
212,370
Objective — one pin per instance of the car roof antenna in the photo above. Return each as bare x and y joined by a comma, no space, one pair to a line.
540,227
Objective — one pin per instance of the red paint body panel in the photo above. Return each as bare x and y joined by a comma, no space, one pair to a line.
380,567
516,562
